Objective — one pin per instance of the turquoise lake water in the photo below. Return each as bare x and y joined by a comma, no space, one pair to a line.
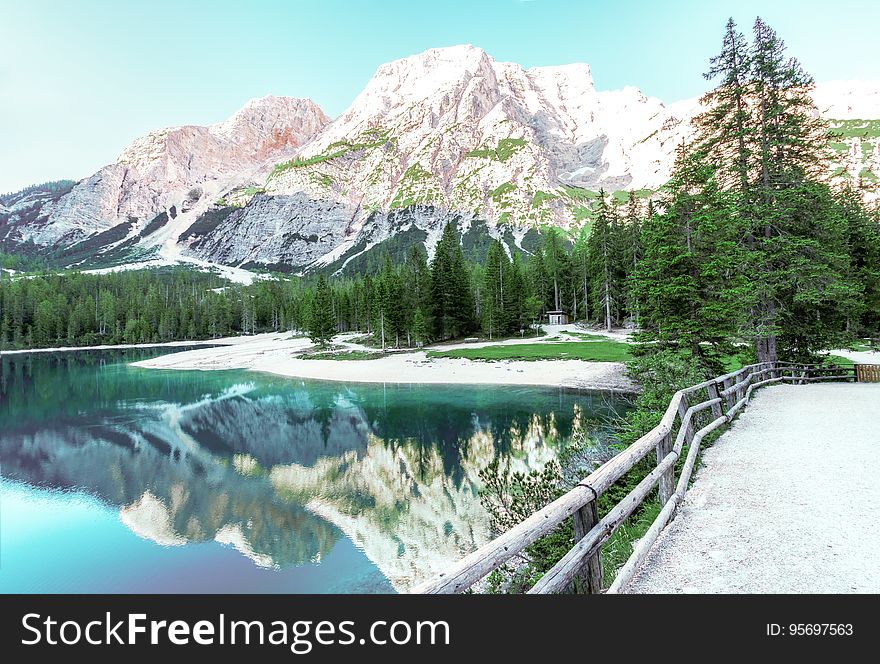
121,479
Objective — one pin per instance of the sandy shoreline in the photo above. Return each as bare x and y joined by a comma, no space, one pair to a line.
165,344
277,354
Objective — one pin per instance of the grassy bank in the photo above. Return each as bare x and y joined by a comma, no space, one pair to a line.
589,351
343,355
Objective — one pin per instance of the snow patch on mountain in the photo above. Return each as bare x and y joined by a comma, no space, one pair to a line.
848,100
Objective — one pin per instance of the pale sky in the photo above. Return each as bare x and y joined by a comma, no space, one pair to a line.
80,79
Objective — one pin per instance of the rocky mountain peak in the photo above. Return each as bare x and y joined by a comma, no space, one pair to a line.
446,135
263,128
432,70
295,118
455,128
176,167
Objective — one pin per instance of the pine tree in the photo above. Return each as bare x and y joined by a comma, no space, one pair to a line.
516,294
442,286
417,284
763,134
494,312
580,274
396,305
603,257
632,254
389,306
863,231
789,150
726,129
322,326
621,264
688,284
539,284
462,302
366,305
532,309
555,262
452,302
810,278
379,300
420,327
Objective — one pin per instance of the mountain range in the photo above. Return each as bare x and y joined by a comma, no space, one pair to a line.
448,135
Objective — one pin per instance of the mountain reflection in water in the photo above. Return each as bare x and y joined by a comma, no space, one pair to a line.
279,469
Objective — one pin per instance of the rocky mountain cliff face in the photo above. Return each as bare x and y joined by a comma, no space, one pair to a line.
448,135
166,172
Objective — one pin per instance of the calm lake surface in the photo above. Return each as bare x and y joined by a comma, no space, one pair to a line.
121,479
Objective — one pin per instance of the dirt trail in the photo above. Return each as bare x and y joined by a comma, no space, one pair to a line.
788,501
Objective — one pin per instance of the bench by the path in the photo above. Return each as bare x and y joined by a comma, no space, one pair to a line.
788,501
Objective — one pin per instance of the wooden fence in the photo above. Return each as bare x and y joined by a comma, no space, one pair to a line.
692,414
868,373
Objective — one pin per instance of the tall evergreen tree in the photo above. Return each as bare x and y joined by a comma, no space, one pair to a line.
632,254
555,262
864,261
603,248
689,285
763,134
322,326
389,305
539,284
727,132
580,274
516,293
462,302
451,299
790,142
810,281
494,312
417,282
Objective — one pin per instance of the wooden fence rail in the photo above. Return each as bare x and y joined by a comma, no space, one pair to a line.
692,414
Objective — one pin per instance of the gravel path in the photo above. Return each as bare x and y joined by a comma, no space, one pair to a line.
787,501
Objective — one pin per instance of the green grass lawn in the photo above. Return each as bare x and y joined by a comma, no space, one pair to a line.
590,351
343,355
588,336
840,361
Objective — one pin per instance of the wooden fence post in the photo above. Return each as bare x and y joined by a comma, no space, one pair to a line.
667,479
589,580
713,394
682,411
741,390
728,383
